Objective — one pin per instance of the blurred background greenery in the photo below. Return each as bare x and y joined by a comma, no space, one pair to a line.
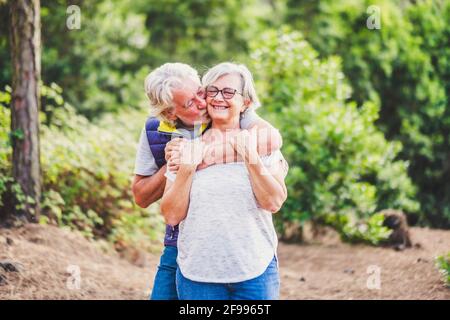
364,113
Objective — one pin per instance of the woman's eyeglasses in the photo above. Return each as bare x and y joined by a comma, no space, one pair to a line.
227,93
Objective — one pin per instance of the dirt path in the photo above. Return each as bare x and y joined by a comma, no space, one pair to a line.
341,271
48,258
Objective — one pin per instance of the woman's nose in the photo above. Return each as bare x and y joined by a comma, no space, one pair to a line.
219,97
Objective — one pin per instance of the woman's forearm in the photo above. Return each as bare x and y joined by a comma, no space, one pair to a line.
175,201
269,192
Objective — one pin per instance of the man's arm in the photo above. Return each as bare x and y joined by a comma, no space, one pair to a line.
268,137
148,189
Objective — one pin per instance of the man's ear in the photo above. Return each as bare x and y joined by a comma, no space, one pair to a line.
170,114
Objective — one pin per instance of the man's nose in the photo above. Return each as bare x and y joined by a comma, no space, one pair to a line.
201,103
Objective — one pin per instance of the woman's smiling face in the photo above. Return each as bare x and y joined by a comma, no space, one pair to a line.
223,109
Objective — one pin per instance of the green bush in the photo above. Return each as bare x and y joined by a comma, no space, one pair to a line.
405,66
100,66
340,163
87,169
370,230
5,145
443,264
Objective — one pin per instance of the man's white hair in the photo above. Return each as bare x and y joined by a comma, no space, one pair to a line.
224,68
159,85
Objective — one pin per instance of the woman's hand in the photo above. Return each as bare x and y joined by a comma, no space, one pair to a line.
191,153
246,145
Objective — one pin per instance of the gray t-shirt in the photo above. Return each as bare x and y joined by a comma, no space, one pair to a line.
226,237
145,164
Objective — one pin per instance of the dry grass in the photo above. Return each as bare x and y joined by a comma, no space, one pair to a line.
44,254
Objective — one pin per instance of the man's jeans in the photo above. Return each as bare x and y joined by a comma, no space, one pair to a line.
164,286
264,287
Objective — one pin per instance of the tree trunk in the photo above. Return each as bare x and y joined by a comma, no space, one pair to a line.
26,61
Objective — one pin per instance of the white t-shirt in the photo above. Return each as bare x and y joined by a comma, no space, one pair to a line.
145,164
226,237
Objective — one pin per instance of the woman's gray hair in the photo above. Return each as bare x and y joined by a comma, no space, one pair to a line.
224,68
159,85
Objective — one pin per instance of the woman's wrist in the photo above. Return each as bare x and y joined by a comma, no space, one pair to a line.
187,168
251,157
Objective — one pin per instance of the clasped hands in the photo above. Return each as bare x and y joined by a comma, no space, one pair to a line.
212,148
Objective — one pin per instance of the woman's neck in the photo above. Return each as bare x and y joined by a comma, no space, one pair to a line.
226,125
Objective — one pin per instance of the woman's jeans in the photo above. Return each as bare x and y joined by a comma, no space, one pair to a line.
264,287
164,286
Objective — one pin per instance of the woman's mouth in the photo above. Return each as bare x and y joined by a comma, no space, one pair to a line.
219,107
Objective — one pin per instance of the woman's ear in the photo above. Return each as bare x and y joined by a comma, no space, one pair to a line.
246,105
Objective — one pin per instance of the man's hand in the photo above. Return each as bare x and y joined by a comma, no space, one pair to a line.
184,152
173,147
172,153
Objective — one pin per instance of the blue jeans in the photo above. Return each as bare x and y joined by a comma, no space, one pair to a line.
164,286
264,287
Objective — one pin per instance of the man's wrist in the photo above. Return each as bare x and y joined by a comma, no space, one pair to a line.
187,169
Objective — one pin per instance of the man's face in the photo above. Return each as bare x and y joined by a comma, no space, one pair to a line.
190,104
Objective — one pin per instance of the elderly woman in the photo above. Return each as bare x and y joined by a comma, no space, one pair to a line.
227,242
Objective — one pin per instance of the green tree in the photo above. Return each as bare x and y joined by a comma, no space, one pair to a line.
102,65
26,62
202,32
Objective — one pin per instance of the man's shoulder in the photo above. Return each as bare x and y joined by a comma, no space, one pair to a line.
152,124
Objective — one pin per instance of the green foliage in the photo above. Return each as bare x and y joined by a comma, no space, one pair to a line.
102,65
99,65
8,187
443,263
202,32
80,157
140,228
5,144
405,66
370,230
342,167
340,163
87,172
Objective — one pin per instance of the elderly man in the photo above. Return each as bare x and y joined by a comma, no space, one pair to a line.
178,109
